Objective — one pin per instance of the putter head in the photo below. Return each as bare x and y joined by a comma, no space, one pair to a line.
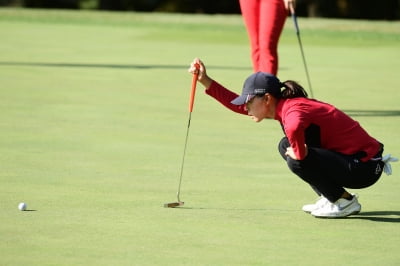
173,204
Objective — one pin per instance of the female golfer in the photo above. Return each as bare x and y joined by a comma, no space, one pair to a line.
322,145
264,20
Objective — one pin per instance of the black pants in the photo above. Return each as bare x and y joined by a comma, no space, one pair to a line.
330,172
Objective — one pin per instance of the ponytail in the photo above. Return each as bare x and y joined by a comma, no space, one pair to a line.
293,90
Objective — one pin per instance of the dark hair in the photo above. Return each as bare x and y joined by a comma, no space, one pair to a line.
293,90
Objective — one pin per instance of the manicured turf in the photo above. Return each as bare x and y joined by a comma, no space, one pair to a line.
93,118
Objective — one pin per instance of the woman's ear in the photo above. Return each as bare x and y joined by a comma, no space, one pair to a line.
270,104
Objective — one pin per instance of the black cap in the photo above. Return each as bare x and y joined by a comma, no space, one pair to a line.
259,83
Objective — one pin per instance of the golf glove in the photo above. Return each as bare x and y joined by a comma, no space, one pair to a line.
387,159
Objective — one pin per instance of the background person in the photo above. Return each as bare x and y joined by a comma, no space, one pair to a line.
322,145
264,20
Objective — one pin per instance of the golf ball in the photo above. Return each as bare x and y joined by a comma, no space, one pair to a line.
22,206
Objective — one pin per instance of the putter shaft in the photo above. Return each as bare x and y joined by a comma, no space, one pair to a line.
183,159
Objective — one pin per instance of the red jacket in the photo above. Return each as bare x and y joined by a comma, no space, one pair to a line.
338,131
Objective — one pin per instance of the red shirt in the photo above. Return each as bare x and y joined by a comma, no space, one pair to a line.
338,131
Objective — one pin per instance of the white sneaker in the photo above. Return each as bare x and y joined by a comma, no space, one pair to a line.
312,207
341,208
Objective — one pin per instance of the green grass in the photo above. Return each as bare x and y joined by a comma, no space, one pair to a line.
93,117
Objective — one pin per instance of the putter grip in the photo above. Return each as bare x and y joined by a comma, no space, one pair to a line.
193,89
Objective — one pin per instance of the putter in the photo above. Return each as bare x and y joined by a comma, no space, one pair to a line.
296,25
191,102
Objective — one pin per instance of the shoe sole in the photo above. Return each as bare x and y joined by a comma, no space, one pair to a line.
338,217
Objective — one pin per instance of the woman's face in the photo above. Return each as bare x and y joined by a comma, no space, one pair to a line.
256,108
260,108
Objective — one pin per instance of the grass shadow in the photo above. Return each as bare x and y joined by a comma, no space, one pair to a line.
234,209
116,66
376,216
356,113
379,216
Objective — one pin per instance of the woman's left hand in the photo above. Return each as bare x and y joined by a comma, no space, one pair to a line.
290,153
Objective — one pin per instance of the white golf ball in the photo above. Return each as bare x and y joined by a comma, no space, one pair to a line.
22,206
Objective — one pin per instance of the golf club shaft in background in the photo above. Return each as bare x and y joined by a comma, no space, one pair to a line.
296,25
191,103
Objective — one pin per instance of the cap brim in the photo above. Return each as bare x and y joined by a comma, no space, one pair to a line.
240,100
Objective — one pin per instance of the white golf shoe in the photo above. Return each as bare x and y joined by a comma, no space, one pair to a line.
340,208
309,208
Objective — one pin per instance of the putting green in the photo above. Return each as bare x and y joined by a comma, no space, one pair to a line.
93,118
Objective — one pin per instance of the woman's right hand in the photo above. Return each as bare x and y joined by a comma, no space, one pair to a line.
290,5
203,78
